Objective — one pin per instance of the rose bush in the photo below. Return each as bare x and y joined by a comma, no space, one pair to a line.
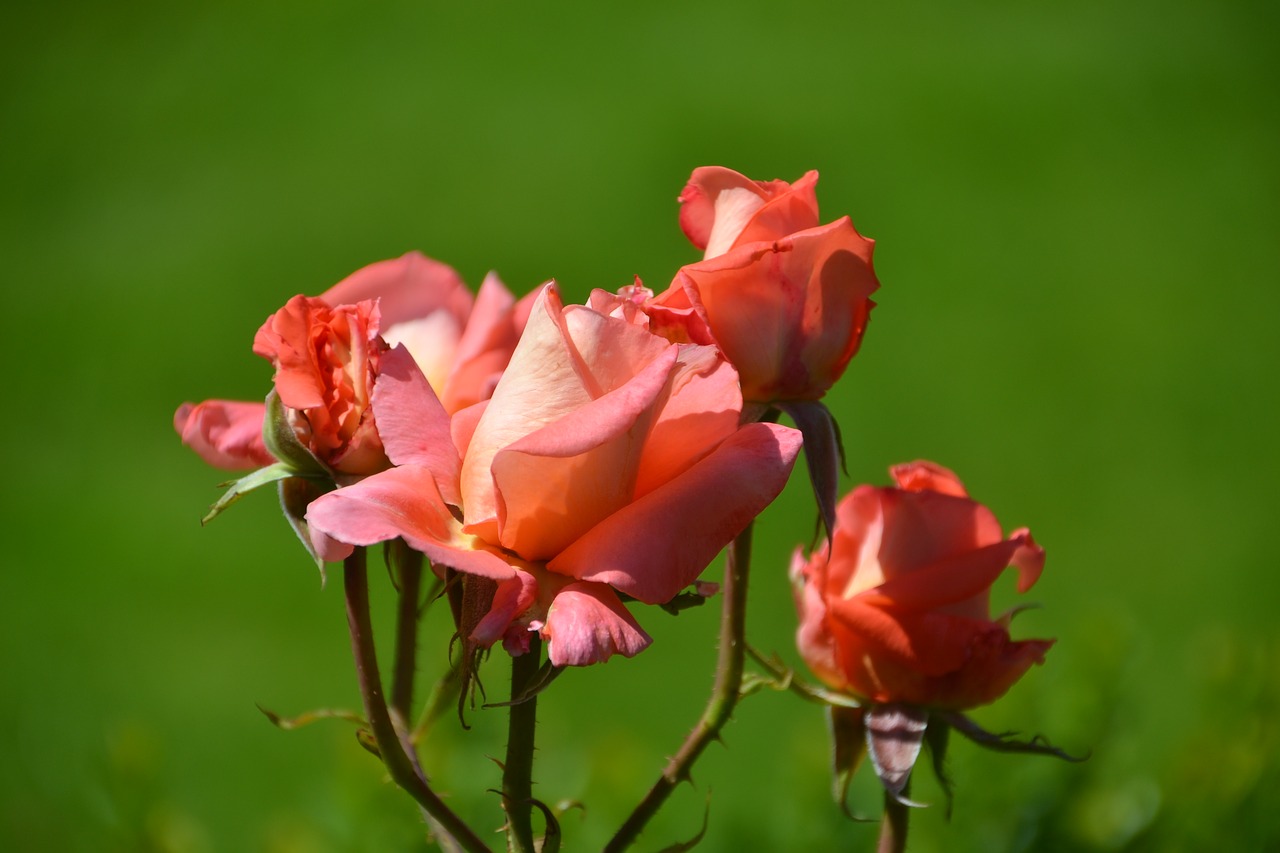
896,609
608,461
785,298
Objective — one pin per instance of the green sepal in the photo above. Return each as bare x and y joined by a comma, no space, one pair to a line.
848,748
239,488
1004,741
936,738
282,440
296,493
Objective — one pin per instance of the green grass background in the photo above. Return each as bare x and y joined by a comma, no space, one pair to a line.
1076,209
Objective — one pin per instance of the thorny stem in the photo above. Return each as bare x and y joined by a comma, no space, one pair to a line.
893,825
355,581
724,695
517,771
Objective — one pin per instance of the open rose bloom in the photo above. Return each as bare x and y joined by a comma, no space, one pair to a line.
896,610
608,460
326,352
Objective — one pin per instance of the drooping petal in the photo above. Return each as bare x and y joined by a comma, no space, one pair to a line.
226,433
587,624
413,425
656,546
404,502
513,598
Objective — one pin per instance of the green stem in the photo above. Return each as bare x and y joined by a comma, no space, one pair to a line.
517,771
893,825
355,581
408,564
724,695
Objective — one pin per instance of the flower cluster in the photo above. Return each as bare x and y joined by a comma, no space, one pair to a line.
573,455
555,461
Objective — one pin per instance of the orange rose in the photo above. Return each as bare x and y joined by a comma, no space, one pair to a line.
785,299
895,609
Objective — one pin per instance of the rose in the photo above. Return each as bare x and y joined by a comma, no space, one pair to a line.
898,611
462,344
608,460
785,299
326,361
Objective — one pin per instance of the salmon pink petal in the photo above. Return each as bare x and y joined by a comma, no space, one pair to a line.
923,475
702,409
1028,559
413,425
948,581
715,205
403,502
786,212
930,643
559,482
922,528
226,433
995,664
587,624
407,288
485,347
542,384
656,546
512,598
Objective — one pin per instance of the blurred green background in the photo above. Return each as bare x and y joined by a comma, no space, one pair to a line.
1076,209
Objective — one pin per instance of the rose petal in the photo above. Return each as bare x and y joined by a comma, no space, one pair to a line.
407,288
226,433
404,502
413,425
558,482
656,546
587,624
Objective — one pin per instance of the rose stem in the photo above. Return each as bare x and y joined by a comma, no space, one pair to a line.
408,567
724,694
893,825
355,582
517,771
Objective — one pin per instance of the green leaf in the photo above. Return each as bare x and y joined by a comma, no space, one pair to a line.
247,483
848,748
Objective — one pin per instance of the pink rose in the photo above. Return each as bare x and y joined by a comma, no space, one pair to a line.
608,460
462,343
898,612
785,299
